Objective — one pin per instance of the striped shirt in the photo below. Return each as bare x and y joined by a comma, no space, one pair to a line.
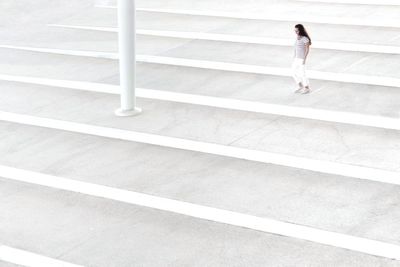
300,47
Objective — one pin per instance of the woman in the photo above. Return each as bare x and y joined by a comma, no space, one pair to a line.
301,49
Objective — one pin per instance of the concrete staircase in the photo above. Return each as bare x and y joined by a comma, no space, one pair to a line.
226,166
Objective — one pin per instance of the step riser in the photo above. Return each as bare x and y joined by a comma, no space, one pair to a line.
209,148
106,228
207,213
224,66
249,106
25,258
335,21
355,2
352,47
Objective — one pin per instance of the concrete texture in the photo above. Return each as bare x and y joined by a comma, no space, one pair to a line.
115,234
262,88
263,28
7,264
327,202
100,232
363,146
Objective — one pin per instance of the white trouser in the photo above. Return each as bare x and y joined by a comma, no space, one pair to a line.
299,72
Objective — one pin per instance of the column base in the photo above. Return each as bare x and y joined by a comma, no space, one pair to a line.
125,113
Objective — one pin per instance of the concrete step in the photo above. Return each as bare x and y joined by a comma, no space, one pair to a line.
288,109
66,38
360,69
102,161
8,264
13,257
107,232
277,56
57,66
334,96
249,54
248,28
281,10
344,97
342,46
355,2
311,139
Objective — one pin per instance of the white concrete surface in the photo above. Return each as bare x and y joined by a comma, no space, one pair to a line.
323,166
109,232
219,102
208,136
367,246
316,199
25,258
356,2
385,49
368,79
348,144
249,28
272,16
330,96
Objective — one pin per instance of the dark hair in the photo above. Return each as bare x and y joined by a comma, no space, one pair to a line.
302,31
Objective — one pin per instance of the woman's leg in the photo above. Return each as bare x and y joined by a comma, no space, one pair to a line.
296,72
304,79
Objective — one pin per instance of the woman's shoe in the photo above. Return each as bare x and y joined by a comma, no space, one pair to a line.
298,91
306,91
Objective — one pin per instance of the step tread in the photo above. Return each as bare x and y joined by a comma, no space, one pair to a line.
342,76
191,35
356,2
346,97
316,13
350,144
334,203
261,28
319,60
103,229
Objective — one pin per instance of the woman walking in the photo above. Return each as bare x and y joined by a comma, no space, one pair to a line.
301,49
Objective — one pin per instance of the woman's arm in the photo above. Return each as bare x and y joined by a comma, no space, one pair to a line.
307,49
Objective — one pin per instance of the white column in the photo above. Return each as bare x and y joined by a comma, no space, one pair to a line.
127,58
